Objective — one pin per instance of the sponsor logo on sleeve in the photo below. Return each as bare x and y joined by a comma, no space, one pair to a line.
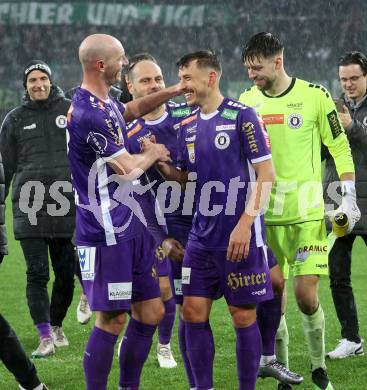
180,112
119,291
222,141
61,121
295,121
229,114
186,275
249,129
273,119
116,132
87,258
98,142
335,126
159,253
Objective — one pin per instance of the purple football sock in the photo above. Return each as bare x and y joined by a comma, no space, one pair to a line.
268,319
185,359
134,352
200,350
44,330
248,350
98,357
166,325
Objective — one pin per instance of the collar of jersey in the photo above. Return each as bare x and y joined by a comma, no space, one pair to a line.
159,120
206,117
284,92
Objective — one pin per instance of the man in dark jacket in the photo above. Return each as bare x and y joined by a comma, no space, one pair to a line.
11,351
33,146
352,107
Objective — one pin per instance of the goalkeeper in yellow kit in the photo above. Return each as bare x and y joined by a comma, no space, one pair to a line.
299,117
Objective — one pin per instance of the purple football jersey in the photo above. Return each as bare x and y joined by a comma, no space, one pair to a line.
105,212
165,130
221,147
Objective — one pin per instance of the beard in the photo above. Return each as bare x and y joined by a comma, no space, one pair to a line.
267,84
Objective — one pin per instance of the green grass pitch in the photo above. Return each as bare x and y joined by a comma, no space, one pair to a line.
64,370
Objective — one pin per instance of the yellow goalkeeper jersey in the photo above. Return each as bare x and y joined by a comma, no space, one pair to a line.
298,121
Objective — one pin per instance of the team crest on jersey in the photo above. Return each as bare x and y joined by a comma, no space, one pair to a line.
295,121
61,121
222,141
191,152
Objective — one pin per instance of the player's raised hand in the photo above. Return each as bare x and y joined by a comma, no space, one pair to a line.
239,242
173,249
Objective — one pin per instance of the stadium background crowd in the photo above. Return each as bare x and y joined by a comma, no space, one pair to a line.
315,35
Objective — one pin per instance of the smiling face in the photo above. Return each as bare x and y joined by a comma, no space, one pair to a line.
145,78
196,80
262,71
113,65
38,85
353,81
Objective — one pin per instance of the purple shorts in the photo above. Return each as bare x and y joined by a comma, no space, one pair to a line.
163,264
272,261
114,276
207,273
179,230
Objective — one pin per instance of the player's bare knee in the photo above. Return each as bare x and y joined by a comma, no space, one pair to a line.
111,322
242,317
307,305
191,313
158,313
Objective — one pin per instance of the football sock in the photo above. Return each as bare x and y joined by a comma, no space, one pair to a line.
134,351
248,350
44,330
98,357
185,359
282,341
268,319
166,325
200,350
314,330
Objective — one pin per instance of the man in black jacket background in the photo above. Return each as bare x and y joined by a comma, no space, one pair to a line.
352,107
34,151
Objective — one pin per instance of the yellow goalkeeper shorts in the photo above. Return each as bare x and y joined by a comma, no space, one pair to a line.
302,247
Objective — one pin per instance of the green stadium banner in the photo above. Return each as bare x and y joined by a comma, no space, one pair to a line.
115,14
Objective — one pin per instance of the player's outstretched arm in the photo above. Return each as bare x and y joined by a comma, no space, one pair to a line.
239,241
127,163
139,107
171,173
